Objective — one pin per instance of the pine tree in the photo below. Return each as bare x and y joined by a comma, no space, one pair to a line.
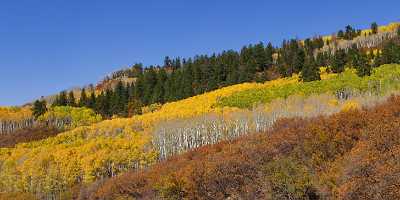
101,106
390,53
340,34
310,71
187,81
362,65
150,80
92,100
158,92
338,61
71,99
119,100
83,100
398,31
197,79
139,87
61,99
374,28
134,107
352,55
260,56
39,108
350,33
269,52
298,60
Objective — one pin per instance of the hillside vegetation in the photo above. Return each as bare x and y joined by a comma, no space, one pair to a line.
177,78
383,79
14,118
349,155
51,167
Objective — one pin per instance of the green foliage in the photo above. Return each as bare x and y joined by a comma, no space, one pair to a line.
39,108
289,180
338,61
398,31
310,71
71,99
374,28
362,65
83,100
391,52
61,99
67,117
386,76
172,188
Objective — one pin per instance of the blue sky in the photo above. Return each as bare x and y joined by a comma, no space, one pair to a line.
50,45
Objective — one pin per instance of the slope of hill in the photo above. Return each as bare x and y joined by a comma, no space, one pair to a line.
51,167
178,79
384,78
349,155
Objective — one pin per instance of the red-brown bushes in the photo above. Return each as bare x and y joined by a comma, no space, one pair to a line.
26,135
350,155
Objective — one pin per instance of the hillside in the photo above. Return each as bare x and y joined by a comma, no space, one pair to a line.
123,93
349,155
296,121
105,149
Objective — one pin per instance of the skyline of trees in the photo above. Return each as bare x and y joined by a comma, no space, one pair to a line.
180,78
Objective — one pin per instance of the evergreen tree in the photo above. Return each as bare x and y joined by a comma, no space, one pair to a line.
61,99
398,31
158,93
139,87
310,71
350,33
352,55
374,28
260,56
390,53
167,62
39,108
150,80
119,100
71,99
83,100
340,34
362,65
187,81
338,61
92,101
101,105
134,107
197,79
269,52
106,104
298,60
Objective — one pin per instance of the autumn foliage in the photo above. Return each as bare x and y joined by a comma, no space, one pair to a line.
349,155
91,152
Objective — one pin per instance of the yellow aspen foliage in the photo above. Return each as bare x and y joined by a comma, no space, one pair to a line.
333,102
67,117
81,155
350,105
15,113
107,148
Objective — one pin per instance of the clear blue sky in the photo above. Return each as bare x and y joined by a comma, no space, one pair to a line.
50,45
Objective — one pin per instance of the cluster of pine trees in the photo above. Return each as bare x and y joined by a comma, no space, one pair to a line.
178,79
